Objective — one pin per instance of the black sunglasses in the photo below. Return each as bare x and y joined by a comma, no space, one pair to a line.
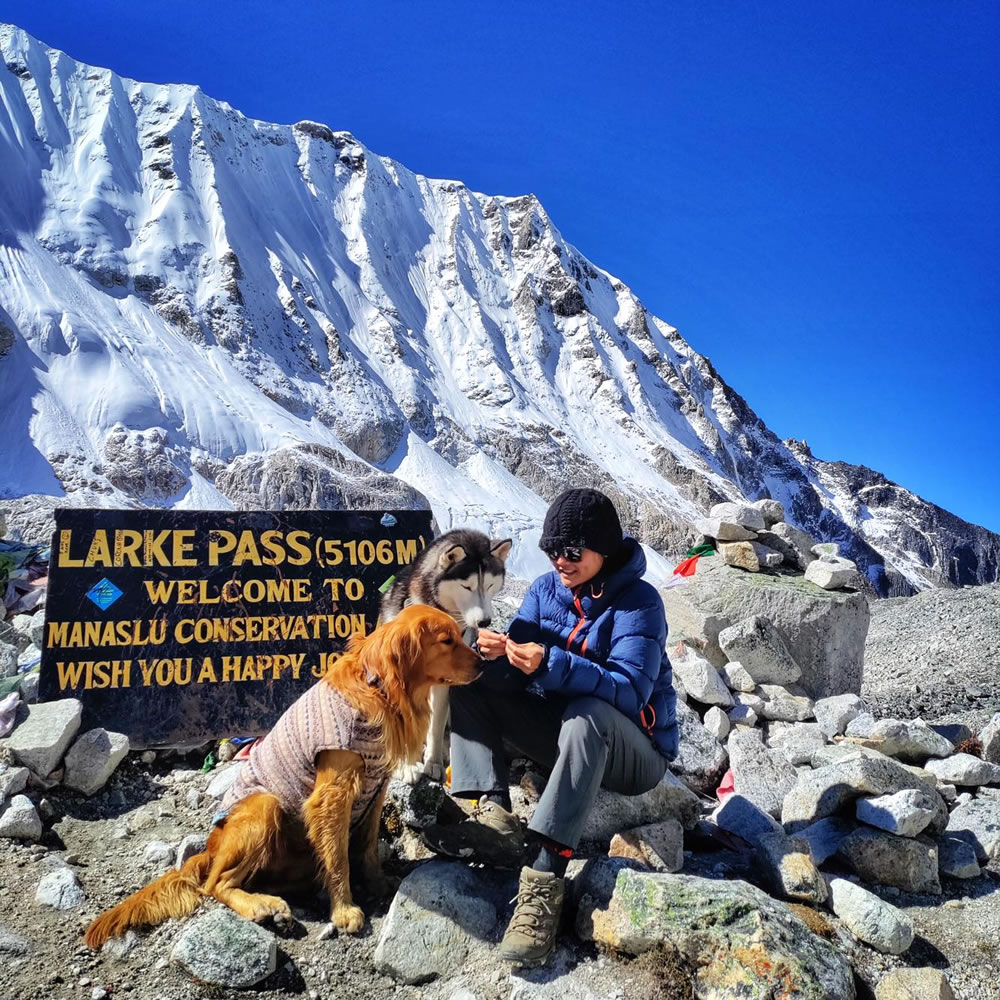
571,553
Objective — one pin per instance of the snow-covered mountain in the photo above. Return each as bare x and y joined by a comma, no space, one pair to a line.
202,310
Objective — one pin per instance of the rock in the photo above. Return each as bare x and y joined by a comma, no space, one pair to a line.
834,713
738,513
42,733
8,659
824,630
742,715
670,798
826,549
12,780
737,678
789,869
793,544
908,740
19,820
905,813
21,637
659,846
825,837
773,511
832,753
740,555
908,864
222,949
439,922
762,776
60,889
832,573
159,852
12,944
700,679
826,790
223,778
784,704
964,769
861,726
870,919
977,822
957,857
700,630
947,792
990,739
914,984
192,844
752,701
717,723
723,531
417,803
92,759
736,939
761,649
798,742
700,761
739,815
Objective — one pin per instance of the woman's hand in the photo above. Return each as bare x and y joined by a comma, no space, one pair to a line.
491,644
526,656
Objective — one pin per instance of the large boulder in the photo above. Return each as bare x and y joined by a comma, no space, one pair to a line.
612,812
978,823
824,791
222,949
870,918
759,646
761,775
736,939
440,921
42,733
914,984
906,863
92,759
824,630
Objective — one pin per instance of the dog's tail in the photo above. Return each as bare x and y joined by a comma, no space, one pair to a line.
175,894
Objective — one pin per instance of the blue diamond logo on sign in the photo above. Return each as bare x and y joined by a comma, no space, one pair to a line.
104,594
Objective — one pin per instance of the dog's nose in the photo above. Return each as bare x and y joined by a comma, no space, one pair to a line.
485,622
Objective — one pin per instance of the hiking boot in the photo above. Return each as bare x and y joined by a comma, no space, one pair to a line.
530,938
490,836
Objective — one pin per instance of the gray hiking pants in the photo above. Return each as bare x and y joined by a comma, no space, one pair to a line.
585,741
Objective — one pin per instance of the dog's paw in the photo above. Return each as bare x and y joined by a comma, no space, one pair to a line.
434,769
345,920
410,773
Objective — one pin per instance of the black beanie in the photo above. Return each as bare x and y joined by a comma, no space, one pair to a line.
583,518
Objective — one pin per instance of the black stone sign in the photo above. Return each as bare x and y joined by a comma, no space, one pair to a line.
176,627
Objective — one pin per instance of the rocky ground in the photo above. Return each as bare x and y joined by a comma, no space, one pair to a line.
937,653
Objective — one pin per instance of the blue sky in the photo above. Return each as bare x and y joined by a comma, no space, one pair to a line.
809,191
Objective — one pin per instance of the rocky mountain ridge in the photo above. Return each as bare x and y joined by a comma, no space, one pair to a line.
202,310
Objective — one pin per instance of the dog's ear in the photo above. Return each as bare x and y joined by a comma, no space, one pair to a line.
451,556
501,549
390,654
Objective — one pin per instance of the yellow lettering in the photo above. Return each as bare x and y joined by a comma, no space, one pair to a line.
219,543
183,547
246,550
69,674
298,541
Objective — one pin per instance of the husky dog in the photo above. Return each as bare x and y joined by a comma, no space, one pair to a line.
459,573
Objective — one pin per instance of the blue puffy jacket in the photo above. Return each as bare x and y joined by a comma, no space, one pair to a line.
609,641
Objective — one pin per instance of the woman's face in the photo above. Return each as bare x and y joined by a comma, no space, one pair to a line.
573,574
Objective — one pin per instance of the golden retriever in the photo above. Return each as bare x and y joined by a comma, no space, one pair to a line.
386,678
